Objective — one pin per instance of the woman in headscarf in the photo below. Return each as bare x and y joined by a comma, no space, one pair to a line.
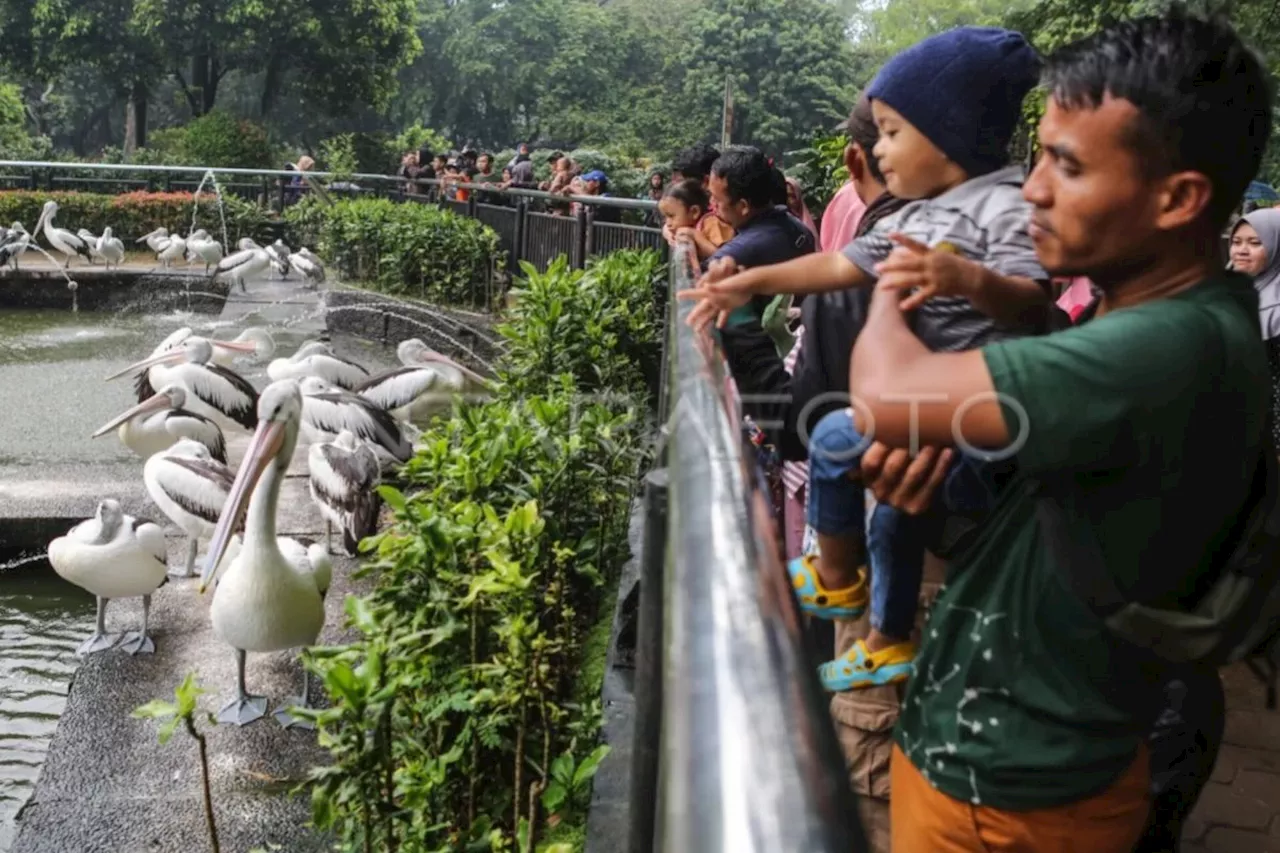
797,207
1255,250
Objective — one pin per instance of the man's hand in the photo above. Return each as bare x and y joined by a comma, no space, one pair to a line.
721,289
936,272
902,482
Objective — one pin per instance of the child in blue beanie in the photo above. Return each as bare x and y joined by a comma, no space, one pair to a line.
946,110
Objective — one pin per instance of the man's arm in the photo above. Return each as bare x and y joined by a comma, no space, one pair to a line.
891,368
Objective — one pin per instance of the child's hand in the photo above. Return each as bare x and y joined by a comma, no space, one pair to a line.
721,289
936,272
686,233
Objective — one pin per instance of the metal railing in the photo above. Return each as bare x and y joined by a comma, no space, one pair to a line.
532,226
734,749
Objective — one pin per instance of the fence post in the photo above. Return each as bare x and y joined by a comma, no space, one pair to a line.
280,194
647,734
578,256
517,248
165,181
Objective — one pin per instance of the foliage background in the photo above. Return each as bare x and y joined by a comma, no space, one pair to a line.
132,215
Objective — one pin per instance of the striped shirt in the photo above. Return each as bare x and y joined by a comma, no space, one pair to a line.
985,220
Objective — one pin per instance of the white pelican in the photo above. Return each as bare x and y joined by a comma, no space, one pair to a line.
201,245
328,410
14,240
113,555
308,264
61,239
249,261
190,487
279,253
423,387
213,391
157,423
225,353
91,240
269,598
110,248
174,249
344,477
156,240
315,358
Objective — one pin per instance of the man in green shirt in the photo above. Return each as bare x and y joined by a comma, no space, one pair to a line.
1024,724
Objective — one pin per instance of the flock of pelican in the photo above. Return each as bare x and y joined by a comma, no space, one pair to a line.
268,589
249,260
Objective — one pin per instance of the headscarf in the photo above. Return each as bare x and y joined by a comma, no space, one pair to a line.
1267,223
804,208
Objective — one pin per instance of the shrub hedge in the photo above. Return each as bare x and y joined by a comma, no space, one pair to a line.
466,715
402,248
134,214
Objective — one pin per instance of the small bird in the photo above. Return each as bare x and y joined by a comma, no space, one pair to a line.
110,248
113,555
279,253
344,475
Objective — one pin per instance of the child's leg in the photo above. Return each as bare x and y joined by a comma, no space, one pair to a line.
895,546
831,585
837,506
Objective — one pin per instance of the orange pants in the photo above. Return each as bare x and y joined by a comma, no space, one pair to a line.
925,820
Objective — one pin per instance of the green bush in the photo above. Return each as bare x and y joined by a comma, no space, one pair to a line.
410,249
134,214
820,169
461,719
220,139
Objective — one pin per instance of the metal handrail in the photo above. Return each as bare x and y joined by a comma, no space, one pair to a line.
519,192
749,761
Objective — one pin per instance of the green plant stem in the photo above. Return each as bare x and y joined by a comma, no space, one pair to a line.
204,780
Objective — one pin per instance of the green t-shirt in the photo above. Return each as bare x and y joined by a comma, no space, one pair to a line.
1153,416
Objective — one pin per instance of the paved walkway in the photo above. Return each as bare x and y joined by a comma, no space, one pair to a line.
107,785
1239,811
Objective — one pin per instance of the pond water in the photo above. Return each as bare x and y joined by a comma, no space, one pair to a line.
42,621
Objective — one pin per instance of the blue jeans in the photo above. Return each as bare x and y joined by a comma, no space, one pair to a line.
895,540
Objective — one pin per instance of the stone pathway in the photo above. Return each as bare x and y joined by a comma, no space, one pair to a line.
1239,811
107,785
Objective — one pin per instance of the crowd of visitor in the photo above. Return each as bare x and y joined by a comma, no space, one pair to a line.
999,408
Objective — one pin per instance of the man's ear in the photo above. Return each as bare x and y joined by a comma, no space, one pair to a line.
855,161
1182,199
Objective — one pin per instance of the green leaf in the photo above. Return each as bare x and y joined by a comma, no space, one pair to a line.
589,765
155,709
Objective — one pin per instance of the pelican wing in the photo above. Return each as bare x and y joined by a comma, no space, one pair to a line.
151,537
332,413
239,259
142,386
226,391
398,387
186,424
197,486
344,476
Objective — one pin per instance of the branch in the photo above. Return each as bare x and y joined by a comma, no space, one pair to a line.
186,91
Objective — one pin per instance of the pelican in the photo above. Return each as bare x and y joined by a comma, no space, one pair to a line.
279,258
174,249
156,240
225,353
420,389
113,555
315,358
110,248
344,476
271,597
249,261
157,423
307,264
201,245
61,239
91,240
190,487
213,391
328,410
13,242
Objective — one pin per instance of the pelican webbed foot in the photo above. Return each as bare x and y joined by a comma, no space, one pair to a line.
137,643
289,720
97,643
243,710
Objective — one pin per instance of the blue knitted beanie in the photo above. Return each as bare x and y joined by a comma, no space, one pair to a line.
963,89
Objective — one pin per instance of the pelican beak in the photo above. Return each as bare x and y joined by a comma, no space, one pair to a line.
174,355
146,237
157,403
237,346
262,451
441,358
